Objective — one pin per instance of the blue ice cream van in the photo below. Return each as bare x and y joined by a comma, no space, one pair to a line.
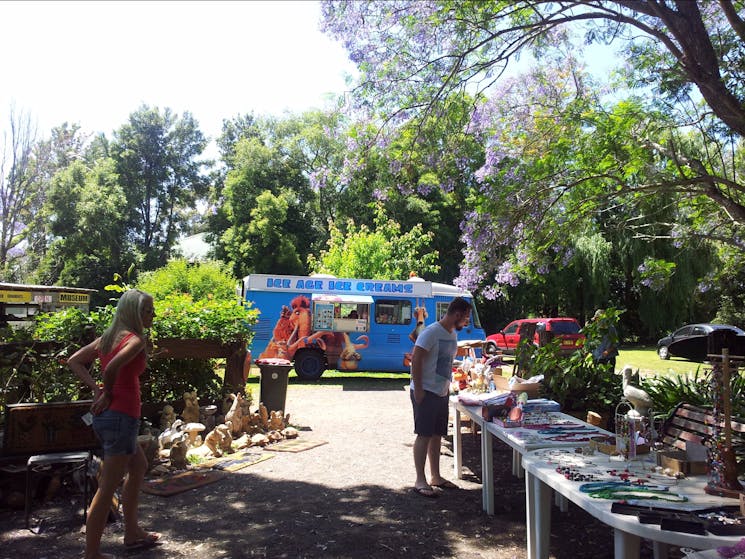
323,322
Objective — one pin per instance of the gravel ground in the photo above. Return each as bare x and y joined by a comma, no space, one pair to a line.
351,497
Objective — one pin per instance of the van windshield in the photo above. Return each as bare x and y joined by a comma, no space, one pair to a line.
475,316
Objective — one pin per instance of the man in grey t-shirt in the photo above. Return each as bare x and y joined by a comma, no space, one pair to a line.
431,371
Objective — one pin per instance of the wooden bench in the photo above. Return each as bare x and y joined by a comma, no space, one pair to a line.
690,423
44,435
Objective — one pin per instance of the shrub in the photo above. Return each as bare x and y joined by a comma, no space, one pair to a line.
37,372
203,281
667,391
575,381
180,316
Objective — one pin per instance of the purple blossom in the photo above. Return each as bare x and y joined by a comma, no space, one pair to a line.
491,292
703,287
380,194
319,178
468,278
505,275
425,189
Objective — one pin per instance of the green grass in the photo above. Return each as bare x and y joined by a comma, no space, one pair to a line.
645,359
344,379
648,362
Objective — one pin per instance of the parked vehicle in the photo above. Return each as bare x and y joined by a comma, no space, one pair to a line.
565,328
322,322
689,342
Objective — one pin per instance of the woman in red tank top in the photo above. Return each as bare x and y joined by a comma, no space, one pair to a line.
122,351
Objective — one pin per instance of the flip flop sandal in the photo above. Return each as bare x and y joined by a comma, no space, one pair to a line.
447,484
427,492
149,541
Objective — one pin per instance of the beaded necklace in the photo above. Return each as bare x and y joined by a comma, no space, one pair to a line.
620,490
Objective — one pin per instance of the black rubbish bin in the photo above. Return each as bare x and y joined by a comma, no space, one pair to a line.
273,392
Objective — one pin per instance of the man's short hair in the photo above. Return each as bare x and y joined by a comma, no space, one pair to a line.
459,304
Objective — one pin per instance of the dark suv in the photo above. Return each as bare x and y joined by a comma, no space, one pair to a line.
564,328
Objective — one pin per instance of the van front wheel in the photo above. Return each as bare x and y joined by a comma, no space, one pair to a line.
309,364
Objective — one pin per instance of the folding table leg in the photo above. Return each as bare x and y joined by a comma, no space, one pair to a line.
457,446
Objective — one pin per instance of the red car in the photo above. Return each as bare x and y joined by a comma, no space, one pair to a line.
564,328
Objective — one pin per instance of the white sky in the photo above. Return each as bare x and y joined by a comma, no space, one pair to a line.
95,62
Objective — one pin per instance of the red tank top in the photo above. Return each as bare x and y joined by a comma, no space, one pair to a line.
125,396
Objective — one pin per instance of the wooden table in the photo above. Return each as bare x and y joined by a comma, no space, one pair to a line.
541,478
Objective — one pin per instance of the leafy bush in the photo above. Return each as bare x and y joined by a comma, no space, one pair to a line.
575,381
180,316
168,379
669,391
36,372
203,281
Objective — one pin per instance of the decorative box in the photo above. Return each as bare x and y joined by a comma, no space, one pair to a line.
607,445
677,461
504,422
533,389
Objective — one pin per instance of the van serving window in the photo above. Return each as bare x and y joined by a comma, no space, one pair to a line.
341,313
393,311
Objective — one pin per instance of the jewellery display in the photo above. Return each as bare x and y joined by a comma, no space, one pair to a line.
623,490
639,488
722,462
573,465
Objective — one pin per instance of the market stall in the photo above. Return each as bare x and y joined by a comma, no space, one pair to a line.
631,496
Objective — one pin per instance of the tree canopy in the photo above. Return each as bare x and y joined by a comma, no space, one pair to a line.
655,158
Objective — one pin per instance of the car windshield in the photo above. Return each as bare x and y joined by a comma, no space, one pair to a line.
565,327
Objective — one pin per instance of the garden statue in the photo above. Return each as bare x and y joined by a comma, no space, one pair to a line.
167,416
226,440
290,433
170,434
252,423
178,452
207,416
277,421
244,441
636,396
193,430
235,413
191,407
212,442
264,415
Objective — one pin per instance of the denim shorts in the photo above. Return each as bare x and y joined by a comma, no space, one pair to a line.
117,432
431,415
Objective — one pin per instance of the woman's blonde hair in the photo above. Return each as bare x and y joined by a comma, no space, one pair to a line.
128,317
